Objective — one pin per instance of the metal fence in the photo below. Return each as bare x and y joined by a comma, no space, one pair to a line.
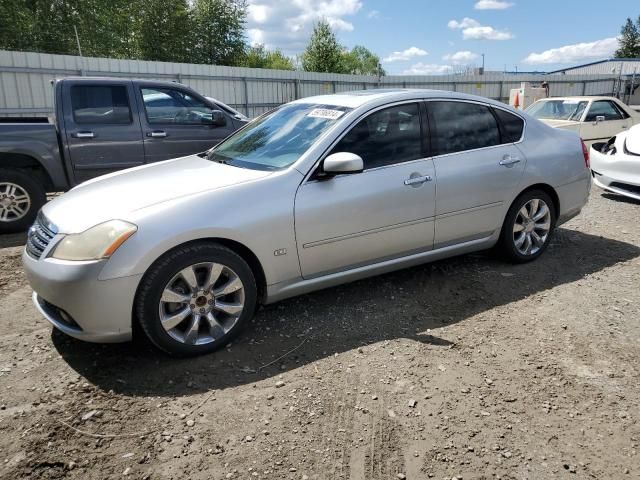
25,82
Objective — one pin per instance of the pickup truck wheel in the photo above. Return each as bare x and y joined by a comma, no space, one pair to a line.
21,196
195,299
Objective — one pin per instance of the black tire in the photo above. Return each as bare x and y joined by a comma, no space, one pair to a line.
164,269
34,190
506,245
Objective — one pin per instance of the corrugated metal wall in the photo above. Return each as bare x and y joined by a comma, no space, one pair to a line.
25,82
608,67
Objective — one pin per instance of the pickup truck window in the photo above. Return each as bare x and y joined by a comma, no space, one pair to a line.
169,106
100,104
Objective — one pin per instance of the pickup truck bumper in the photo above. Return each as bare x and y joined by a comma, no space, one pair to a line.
70,296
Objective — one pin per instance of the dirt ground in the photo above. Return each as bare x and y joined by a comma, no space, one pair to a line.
465,368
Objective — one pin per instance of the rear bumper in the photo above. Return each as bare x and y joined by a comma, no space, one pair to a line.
70,296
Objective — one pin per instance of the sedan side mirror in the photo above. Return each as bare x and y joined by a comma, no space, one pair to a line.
342,163
217,119
599,118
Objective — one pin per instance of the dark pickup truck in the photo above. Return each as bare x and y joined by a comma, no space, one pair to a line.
101,125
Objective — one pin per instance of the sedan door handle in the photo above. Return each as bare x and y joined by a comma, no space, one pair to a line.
417,180
83,135
509,161
157,134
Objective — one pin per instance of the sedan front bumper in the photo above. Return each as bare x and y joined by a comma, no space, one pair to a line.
618,173
70,296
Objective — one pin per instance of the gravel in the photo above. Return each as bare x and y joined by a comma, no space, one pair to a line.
465,368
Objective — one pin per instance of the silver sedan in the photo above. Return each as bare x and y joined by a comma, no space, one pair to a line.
318,192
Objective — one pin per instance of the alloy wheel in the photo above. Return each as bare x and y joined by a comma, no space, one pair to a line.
14,202
531,227
201,303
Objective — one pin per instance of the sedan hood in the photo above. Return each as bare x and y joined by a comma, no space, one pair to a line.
116,195
564,124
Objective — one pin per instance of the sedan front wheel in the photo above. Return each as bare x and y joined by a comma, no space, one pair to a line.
196,298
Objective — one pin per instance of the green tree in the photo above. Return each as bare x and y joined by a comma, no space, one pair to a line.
361,61
218,31
163,31
629,41
104,28
259,57
323,53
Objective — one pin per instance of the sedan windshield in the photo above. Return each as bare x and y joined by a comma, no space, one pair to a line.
558,109
279,138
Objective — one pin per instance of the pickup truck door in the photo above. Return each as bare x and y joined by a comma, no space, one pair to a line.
177,122
101,130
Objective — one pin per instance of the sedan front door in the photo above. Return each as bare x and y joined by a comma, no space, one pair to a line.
603,120
384,212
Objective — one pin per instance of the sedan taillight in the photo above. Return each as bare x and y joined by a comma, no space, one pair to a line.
585,152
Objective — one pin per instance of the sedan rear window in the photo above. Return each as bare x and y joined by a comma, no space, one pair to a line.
512,126
461,126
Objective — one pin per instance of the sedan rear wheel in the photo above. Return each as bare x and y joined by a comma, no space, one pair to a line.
528,226
195,299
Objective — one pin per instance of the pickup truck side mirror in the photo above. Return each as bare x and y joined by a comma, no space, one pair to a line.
217,119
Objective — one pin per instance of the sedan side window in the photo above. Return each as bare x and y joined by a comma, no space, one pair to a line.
512,126
385,137
461,126
603,108
167,106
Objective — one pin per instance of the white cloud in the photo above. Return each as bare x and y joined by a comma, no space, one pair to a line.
473,30
575,53
373,14
288,25
407,54
465,23
492,5
428,69
464,57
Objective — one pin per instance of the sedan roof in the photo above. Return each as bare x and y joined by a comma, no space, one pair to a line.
359,98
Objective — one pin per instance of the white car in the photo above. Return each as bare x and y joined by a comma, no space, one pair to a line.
615,165
595,119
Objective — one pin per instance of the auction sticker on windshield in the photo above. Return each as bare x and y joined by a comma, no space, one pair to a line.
325,113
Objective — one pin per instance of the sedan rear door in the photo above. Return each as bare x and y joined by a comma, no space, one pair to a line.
477,165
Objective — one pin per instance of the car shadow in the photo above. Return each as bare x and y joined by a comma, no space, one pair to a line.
13,239
414,303
620,198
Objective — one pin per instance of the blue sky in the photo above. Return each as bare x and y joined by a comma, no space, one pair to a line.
439,36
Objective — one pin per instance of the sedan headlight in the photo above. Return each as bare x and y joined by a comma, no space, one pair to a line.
95,243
